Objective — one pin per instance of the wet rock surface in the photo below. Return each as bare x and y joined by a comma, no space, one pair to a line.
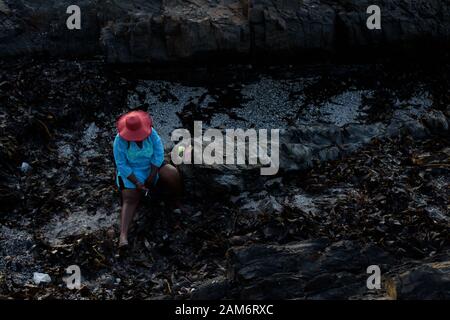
425,281
157,31
306,270
370,187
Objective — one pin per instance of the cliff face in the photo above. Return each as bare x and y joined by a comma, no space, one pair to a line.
170,30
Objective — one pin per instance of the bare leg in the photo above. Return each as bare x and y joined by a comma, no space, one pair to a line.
130,201
172,184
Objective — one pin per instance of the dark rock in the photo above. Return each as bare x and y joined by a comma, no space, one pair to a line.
155,31
260,204
254,262
436,122
212,289
303,269
429,281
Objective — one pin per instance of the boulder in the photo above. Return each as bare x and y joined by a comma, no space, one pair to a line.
429,281
307,269
212,289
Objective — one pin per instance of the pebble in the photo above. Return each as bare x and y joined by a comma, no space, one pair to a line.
39,278
25,167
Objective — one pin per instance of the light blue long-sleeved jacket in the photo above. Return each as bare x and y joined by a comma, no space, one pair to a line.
130,158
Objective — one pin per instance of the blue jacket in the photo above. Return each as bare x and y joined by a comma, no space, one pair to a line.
129,158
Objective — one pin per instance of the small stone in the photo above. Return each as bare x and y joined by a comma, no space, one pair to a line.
25,167
41,278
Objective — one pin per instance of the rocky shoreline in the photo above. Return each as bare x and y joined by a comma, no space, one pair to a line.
175,30
368,187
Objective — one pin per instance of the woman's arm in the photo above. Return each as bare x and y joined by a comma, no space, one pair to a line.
157,158
119,150
158,149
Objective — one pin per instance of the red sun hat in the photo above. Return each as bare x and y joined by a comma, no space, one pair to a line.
135,126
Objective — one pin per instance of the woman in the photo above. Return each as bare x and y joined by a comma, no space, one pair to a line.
139,158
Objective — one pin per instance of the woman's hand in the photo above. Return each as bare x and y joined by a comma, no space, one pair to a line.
137,183
141,187
150,180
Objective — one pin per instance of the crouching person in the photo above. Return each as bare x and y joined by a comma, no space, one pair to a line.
140,167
